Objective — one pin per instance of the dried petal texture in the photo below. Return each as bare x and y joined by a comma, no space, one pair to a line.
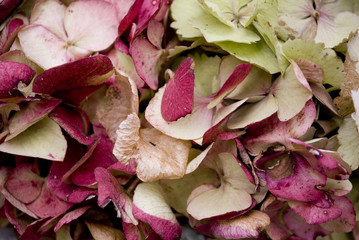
109,189
344,101
100,231
315,215
237,76
73,33
289,176
11,74
325,58
190,127
125,147
75,96
301,228
48,205
263,134
24,184
43,139
82,73
70,216
249,225
346,222
161,156
14,216
75,123
150,206
121,99
131,15
30,114
147,59
177,100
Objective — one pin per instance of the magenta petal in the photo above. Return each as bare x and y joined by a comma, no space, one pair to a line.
70,216
68,192
322,162
11,74
48,205
24,184
6,7
177,99
76,96
147,60
101,157
75,123
294,179
130,16
110,189
82,73
155,31
237,76
346,222
32,112
301,228
146,12
15,218
271,130
315,215
166,229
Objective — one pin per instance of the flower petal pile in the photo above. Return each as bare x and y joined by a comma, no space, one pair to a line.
181,119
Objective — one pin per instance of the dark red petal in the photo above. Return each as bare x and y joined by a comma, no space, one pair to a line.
82,73
177,99
11,73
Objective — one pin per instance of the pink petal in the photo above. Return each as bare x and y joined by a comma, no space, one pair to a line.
301,228
347,221
89,28
237,76
322,162
263,134
31,113
147,59
68,192
70,216
130,15
24,184
101,157
75,123
149,206
82,73
110,189
177,99
290,176
248,225
12,73
15,218
48,205
50,14
42,46
148,9
155,31
313,214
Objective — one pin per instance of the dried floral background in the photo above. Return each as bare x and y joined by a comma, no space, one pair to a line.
183,119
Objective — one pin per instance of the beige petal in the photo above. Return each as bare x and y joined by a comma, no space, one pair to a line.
161,156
